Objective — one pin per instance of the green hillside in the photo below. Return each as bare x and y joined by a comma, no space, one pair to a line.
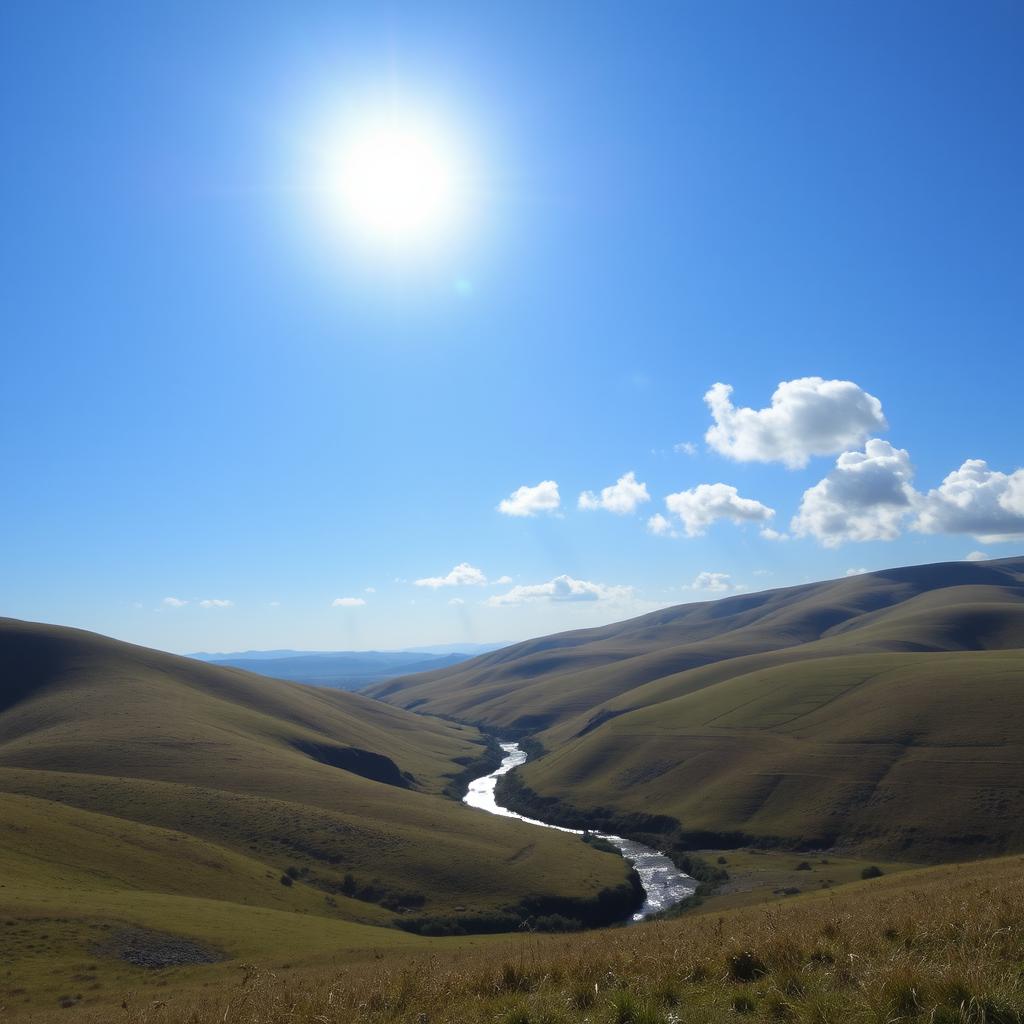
252,817
881,711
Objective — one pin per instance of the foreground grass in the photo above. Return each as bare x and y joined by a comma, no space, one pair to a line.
942,945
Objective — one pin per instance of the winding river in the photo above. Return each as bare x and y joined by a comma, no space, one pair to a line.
664,884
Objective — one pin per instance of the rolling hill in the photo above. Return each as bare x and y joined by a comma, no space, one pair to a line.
882,711
146,793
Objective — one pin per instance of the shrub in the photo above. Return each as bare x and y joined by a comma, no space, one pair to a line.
803,866
871,872
286,880
745,967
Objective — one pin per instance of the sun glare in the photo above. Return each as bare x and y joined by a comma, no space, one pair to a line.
393,178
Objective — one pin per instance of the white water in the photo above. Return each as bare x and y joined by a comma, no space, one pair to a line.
664,884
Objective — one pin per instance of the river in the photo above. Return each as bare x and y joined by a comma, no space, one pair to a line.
664,884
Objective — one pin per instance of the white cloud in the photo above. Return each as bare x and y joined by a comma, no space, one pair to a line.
685,448
717,582
463,575
455,602
274,604
530,501
215,602
369,590
808,416
856,572
769,534
347,602
976,500
622,497
502,581
976,556
659,525
561,588
702,505
866,497
763,572
173,602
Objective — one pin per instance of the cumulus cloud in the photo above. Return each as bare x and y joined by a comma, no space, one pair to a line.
531,501
369,590
561,589
866,497
456,602
769,534
347,602
659,525
856,572
502,581
463,575
173,602
976,500
976,556
685,448
716,582
702,505
215,602
622,497
808,416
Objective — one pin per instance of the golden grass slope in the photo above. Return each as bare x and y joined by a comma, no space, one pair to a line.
942,945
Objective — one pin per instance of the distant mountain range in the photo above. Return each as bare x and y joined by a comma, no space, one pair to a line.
346,670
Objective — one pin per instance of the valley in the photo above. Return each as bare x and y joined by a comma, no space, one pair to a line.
164,820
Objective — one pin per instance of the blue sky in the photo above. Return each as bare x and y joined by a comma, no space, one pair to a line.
210,395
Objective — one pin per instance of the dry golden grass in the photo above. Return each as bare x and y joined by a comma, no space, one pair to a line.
942,945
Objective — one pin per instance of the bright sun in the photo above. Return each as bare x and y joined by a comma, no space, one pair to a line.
393,178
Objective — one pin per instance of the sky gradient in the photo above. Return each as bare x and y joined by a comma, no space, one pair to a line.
225,426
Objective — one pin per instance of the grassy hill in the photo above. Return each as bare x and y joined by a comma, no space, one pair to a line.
882,711
147,795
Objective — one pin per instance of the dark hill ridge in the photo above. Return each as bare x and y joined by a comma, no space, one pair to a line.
884,710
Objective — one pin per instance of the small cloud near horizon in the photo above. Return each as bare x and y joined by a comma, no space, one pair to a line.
561,589
716,582
462,575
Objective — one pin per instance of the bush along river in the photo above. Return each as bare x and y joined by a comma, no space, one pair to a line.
663,883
